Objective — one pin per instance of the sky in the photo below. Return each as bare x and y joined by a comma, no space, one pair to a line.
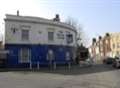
96,17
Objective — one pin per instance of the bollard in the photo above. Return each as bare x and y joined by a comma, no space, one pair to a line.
38,65
30,65
54,65
69,65
50,64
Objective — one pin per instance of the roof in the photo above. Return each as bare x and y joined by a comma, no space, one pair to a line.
32,19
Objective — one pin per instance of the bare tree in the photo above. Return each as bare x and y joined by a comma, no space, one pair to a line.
81,38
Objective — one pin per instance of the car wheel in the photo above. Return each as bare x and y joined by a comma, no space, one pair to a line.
117,65
114,65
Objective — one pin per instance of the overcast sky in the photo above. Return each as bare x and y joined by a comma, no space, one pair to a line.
95,16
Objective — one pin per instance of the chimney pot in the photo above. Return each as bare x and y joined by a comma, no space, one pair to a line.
57,18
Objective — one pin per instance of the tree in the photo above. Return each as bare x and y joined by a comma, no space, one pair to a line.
81,38
81,51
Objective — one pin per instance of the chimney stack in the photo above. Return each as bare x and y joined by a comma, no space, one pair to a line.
100,37
57,18
107,34
17,12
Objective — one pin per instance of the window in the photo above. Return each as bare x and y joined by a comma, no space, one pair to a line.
25,55
101,43
69,38
106,41
50,36
118,45
60,35
113,46
68,56
117,53
50,55
25,35
14,28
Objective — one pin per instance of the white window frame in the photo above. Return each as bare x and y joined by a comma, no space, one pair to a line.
50,55
49,38
21,60
60,35
23,36
68,56
68,38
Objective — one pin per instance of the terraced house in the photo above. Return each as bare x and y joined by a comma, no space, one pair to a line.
106,46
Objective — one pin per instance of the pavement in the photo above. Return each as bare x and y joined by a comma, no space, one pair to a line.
97,76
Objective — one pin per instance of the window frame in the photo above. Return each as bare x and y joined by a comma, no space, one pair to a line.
21,60
25,36
68,39
60,35
51,37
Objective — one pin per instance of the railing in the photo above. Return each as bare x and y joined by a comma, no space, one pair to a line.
51,64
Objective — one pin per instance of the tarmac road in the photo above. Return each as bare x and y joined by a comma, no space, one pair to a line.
98,76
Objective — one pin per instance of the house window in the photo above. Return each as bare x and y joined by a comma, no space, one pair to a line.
69,38
50,55
25,55
68,56
60,35
117,52
14,28
118,45
106,41
113,46
25,35
101,43
50,36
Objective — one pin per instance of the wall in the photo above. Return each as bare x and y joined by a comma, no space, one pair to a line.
38,33
38,42
115,44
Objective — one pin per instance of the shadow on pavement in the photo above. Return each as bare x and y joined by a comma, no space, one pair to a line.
63,70
77,70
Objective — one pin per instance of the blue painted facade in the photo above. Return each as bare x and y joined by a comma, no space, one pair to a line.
38,54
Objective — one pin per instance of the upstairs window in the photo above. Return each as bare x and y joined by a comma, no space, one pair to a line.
25,35
25,55
14,28
50,36
69,38
60,35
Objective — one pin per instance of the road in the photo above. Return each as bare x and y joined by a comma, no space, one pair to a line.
98,76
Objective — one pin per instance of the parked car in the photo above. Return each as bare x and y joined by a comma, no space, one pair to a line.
116,63
87,62
109,60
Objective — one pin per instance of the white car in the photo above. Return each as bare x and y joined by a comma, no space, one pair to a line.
87,62
116,63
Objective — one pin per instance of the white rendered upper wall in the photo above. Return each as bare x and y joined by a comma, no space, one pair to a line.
37,20
38,30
